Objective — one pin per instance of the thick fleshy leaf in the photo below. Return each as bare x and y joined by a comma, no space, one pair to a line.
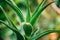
27,28
28,11
16,9
40,35
39,7
36,16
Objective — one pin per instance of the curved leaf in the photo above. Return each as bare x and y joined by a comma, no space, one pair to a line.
18,11
13,24
35,17
7,25
19,36
40,35
9,21
39,7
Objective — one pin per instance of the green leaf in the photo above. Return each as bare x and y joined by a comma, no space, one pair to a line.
2,16
9,21
7,25
13,24
27,29
1,1
36,16
58,3
40,35
28,11
39,7
33,32
19,36
16,9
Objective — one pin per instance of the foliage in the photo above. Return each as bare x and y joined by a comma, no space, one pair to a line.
28,23
58,3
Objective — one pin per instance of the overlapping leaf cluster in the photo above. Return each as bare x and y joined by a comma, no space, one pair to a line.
28,25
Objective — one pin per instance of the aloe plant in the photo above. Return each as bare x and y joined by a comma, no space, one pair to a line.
28,25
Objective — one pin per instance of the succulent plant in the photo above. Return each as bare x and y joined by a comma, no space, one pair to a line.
28,23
